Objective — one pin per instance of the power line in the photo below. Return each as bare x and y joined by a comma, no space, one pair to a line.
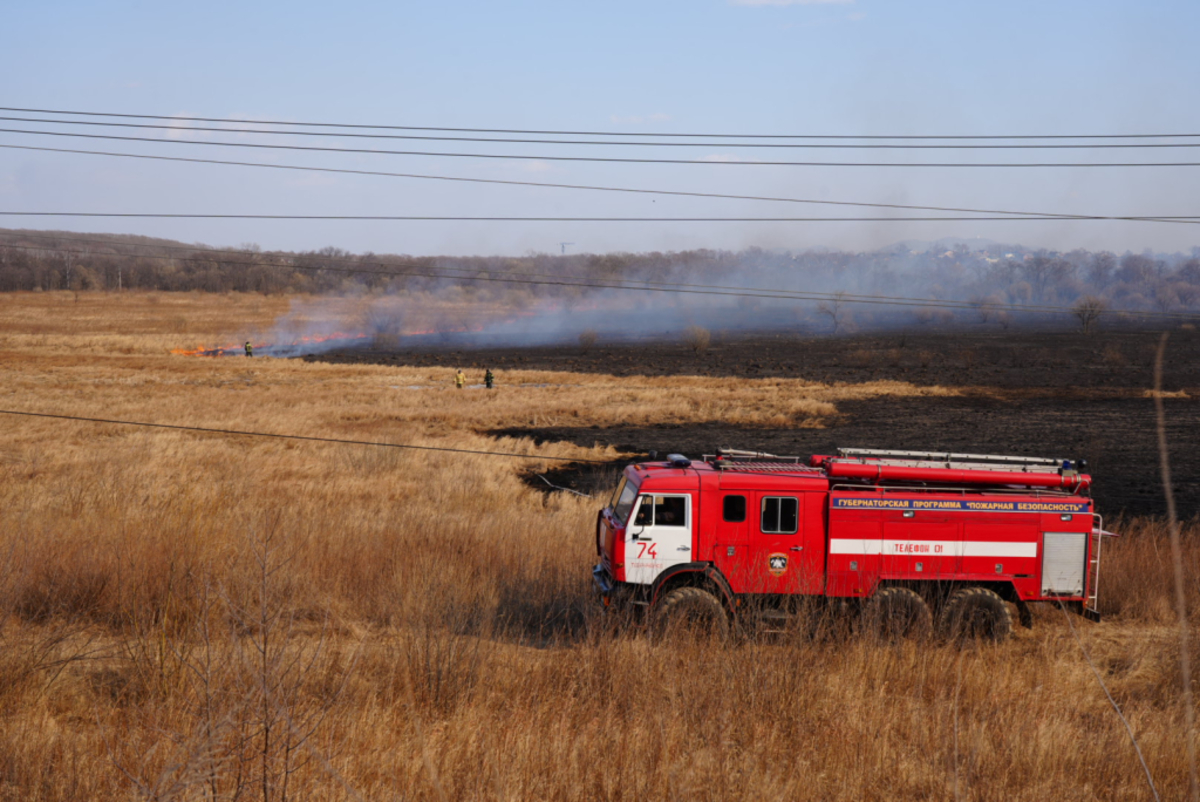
235,120
546,219
582,187
543,279
620,143
592,159
309,438
1116,707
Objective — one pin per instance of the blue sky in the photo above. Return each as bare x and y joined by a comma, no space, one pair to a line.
861,67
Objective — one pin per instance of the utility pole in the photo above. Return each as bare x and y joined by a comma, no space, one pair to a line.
564,247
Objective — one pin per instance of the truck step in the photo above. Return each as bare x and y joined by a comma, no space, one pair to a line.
775,616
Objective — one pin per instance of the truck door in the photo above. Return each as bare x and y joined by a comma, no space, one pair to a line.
731,538
779,540
658,536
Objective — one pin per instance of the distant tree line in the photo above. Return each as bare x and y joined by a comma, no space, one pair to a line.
989,277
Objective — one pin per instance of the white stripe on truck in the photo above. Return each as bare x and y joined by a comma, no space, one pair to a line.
933,548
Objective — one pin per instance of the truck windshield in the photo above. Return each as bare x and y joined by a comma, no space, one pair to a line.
625,496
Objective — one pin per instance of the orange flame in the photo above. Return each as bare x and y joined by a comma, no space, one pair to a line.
266,349
233,349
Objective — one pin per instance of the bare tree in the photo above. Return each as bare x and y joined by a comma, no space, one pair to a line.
1187,294
1088,309
1021,292
1136,269
1043,271
1165,298
834,310
1101,269
986,307
698,338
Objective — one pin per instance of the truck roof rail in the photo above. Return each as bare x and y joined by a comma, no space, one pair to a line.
764,467
735,454
976,462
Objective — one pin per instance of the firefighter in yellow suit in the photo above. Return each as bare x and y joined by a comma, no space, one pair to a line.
459,379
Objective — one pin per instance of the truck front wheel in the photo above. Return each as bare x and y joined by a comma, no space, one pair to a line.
690,613
895,613
976,614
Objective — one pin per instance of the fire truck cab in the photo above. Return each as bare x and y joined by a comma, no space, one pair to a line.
903,537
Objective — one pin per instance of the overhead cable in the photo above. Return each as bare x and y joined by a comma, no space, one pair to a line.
175,127
1113,702
309,438
548,219
552,185
236,120
592,159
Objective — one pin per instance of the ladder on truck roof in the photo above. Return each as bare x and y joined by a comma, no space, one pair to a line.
765,467
737,454
732,459
973,462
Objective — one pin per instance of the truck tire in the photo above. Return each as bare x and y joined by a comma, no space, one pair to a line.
976,614
690,613
895,613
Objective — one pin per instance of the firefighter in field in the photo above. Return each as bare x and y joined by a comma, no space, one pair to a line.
249,349
460,380
488,378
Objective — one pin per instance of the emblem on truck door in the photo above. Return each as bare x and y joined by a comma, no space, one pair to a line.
777,563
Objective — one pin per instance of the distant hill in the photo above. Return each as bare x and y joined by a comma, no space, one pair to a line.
983,274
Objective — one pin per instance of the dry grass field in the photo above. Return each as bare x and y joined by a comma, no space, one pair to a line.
191,616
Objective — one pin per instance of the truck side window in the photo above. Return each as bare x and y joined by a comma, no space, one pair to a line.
645,513
780,515
670,511
735,509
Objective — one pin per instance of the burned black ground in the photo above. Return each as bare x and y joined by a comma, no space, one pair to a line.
1116,436
1055,394
968,357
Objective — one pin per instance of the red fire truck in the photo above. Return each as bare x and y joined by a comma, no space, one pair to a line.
903,538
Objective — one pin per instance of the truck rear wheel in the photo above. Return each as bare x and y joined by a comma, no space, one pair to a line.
690,613
976,614
895,613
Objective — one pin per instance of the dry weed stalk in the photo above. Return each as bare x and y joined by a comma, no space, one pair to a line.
1185,670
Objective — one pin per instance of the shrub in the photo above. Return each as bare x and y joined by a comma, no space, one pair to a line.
698,338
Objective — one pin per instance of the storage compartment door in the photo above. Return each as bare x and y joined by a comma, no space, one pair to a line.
1064,562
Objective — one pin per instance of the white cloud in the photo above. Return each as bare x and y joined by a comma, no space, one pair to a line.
788,2
177,129
857,16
